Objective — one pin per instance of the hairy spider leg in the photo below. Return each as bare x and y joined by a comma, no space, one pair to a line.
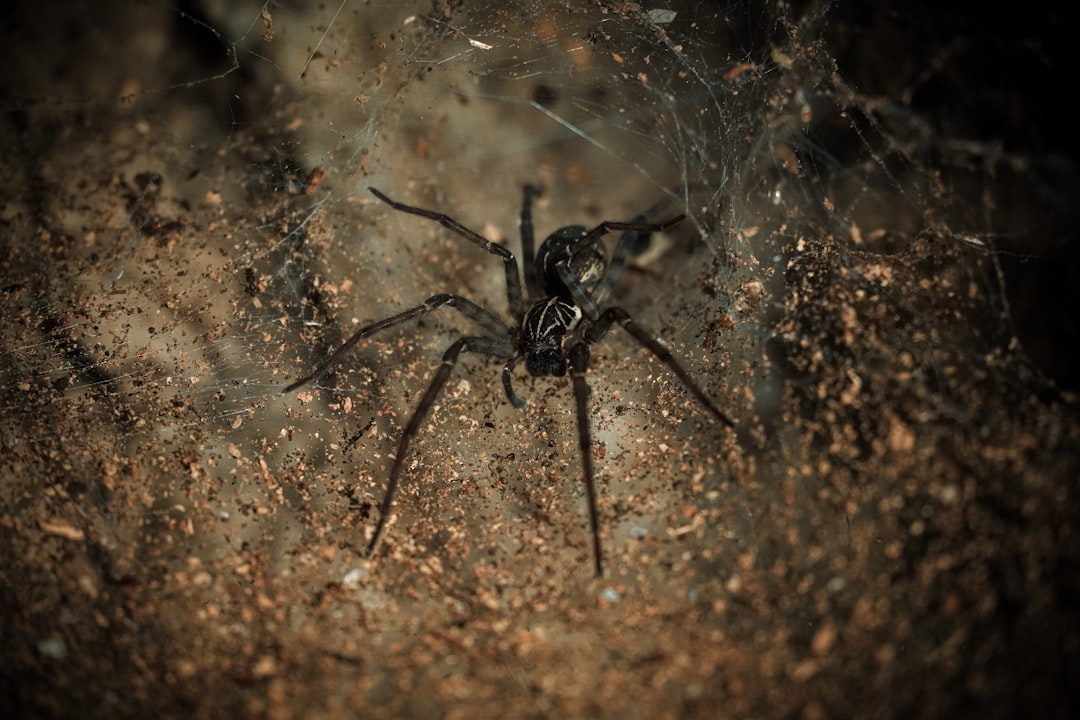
613,315
513,272
483,317
486,345
579,363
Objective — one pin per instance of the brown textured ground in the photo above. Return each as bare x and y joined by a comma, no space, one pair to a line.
891,532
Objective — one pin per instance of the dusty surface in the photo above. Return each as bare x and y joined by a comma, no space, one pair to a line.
889,532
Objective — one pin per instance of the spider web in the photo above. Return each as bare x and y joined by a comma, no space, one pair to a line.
874,280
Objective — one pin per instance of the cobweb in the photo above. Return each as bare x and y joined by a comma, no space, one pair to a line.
875,280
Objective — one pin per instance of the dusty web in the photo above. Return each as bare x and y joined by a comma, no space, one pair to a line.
873,281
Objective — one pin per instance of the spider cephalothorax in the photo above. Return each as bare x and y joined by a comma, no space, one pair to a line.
543,332
570,279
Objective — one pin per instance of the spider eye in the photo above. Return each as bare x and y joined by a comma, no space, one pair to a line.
545,361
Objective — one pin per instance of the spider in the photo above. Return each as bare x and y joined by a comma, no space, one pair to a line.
570,279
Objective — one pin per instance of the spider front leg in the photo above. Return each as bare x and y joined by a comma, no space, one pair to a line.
579,364
486,345
617,315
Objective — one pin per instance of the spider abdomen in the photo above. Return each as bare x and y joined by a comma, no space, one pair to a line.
586,262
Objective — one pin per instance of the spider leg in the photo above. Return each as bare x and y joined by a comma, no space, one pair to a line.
513,275
630,244
607,226
528,241
487,345
617,315
634,235
579,363
485,318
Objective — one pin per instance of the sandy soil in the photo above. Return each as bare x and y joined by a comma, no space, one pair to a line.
889,532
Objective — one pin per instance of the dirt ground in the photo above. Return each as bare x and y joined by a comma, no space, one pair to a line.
890,530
